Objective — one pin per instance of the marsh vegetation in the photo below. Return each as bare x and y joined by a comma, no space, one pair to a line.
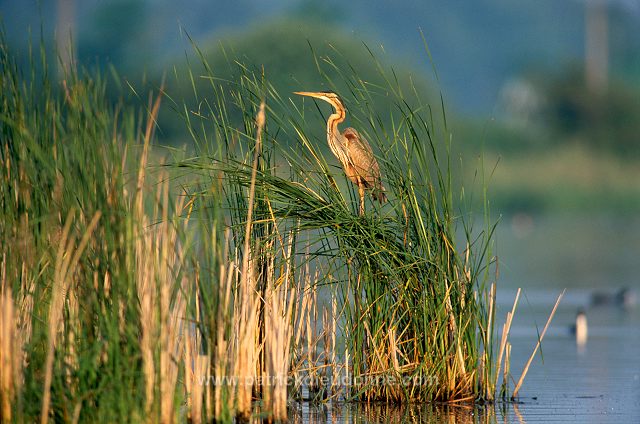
142,283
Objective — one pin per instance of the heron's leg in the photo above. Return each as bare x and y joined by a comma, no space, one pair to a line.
361,193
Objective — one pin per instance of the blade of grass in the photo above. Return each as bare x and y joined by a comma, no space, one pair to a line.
526,367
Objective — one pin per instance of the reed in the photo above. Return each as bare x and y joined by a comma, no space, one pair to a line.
10,350
279,305
161,292
535,349
66,263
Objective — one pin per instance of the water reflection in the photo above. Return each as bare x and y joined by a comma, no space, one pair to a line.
412,413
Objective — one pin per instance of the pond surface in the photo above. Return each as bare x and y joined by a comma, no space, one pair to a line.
596,383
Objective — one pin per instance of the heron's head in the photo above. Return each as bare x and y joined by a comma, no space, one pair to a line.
327,96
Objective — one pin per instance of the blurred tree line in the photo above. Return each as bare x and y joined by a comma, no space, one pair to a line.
607,120
132,35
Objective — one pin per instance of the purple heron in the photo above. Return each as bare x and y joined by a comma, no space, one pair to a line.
352,150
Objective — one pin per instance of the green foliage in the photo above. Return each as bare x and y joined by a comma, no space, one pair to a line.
607,121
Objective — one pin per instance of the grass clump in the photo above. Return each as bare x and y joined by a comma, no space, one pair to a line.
416,312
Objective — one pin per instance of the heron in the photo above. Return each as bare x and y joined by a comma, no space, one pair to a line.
352,150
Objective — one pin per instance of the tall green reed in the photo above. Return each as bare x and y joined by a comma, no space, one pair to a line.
73,230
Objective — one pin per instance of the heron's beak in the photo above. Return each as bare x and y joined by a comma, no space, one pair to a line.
309,93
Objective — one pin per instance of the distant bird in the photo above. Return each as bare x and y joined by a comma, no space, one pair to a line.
624,298
352,150
579,329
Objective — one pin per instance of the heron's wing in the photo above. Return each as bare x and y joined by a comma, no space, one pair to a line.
360,156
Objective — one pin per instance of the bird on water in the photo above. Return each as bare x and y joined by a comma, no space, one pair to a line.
580,328
352,150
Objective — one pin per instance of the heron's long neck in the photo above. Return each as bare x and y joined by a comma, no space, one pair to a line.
333,133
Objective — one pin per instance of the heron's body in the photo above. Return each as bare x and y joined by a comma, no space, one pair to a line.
352,150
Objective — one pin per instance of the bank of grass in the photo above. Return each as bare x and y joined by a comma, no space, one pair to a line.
570,177
184,291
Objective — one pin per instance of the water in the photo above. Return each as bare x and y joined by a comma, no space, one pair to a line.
597,383
585,255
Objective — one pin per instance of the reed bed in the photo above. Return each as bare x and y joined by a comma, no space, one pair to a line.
415,310
230,283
